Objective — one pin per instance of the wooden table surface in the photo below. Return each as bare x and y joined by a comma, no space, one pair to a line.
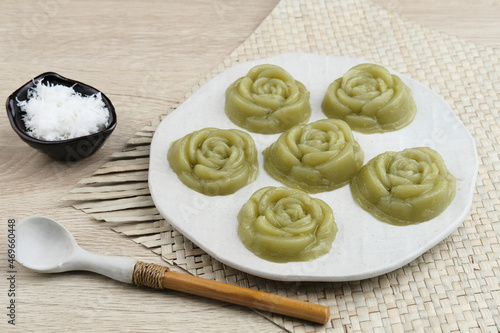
144,56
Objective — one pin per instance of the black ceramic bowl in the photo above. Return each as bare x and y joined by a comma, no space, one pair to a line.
64,150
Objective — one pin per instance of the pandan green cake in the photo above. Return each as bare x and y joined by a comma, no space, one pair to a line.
283,224
267,100
370,100
317,157
406,187
215,161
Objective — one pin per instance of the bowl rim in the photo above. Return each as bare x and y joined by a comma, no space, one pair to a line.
13,109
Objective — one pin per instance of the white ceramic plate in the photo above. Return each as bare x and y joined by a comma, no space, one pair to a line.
364,247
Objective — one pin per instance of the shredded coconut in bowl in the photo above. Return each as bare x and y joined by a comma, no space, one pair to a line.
57,112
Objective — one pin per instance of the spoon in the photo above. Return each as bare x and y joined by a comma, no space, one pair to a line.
45,246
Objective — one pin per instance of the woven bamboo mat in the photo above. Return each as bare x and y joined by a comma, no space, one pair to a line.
455,286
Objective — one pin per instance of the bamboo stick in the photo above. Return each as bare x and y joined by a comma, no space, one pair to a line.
246,297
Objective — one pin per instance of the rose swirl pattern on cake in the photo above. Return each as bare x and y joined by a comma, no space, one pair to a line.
282,224
267,100
406,187
215,161
370,99
317,157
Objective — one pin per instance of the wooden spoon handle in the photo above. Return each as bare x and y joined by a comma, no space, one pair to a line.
157,276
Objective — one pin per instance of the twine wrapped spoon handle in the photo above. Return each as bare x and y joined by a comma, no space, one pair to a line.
161,277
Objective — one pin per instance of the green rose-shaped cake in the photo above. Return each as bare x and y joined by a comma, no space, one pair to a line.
267,100
215,161
370,100
406,187
317,157
282,224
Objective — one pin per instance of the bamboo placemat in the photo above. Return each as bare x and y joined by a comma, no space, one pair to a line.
455,286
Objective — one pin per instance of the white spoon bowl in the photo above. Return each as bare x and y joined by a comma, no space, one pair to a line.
46,246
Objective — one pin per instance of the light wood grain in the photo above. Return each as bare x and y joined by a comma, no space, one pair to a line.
478,21
145,56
